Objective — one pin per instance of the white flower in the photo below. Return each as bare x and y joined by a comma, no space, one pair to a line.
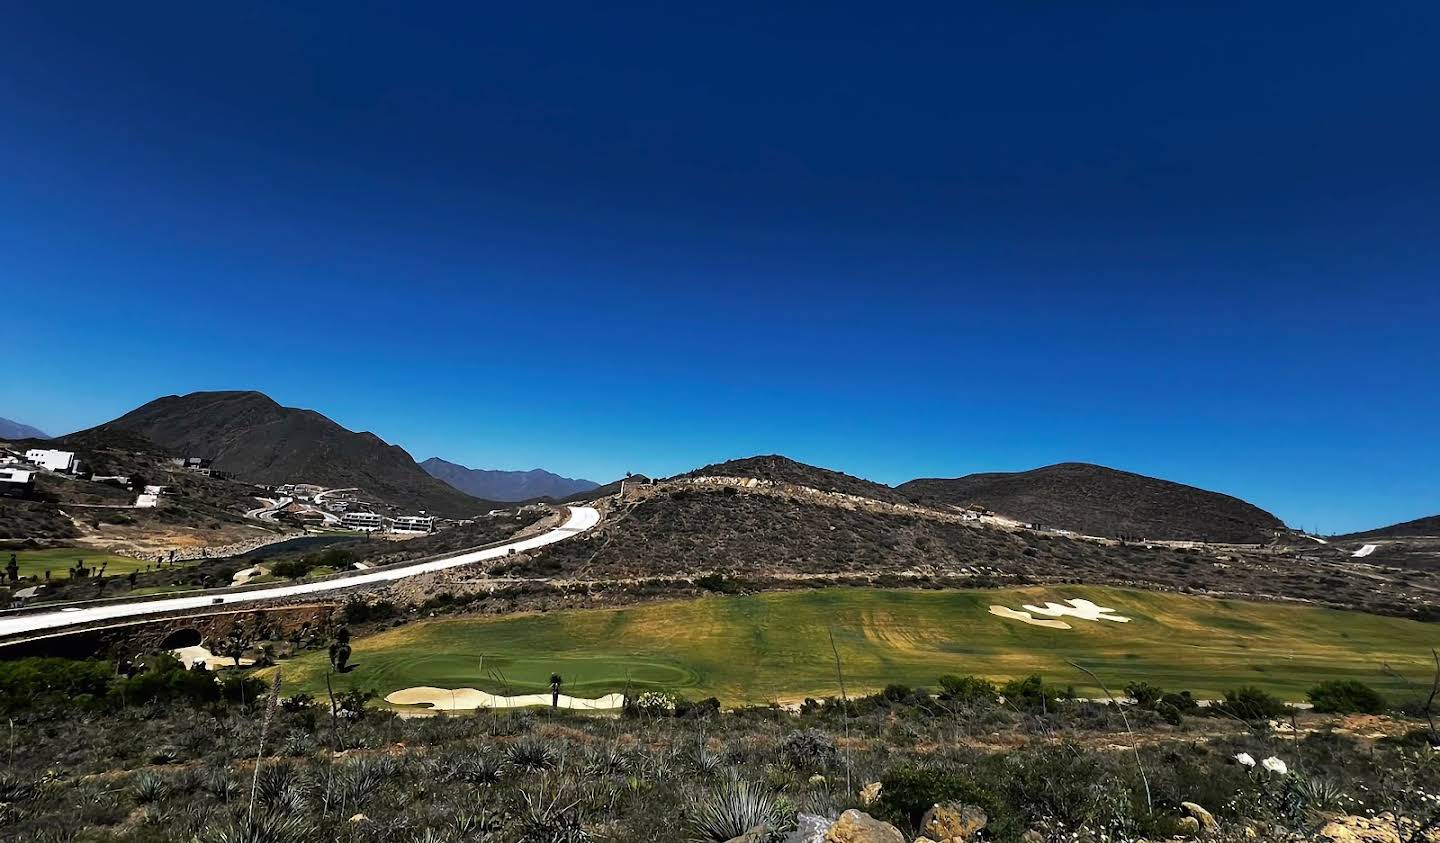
1245,759
1275,765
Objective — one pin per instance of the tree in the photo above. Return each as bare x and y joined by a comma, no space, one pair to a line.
1145,695
556,680
13,569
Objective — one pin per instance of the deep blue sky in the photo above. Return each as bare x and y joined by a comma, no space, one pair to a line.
896,240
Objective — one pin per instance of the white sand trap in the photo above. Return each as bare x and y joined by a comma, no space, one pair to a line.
1365,551
1078,608
444,699
190,655
1025,617
247,574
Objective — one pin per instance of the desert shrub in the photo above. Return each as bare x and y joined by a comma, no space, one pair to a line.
1032,694
1346,696
1145,695
1251,703
907,792
968,690
807,749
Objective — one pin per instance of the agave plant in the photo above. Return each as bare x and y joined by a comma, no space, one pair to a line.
267,827
1318,793
150,788
550,819
731,810
530,755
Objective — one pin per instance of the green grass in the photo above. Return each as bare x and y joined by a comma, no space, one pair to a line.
776,646
58,560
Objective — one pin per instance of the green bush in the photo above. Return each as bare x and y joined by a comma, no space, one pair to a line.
1346,696
907,792
1251,703
968,690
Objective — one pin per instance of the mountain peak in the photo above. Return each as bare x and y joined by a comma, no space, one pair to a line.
252,437
506,486
16,430
1103,501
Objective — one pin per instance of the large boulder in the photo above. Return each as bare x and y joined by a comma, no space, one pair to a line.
1202,817
952,822
859,827
809,828
1382,828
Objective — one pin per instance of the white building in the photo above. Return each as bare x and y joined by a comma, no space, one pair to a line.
367,521
16,481
413,524
51,460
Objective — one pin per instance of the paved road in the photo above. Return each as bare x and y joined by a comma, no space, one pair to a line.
581,518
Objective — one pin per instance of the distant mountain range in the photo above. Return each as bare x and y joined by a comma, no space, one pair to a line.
16,430
506,485
1100,501
251,437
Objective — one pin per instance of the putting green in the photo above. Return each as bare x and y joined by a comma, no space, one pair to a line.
777,646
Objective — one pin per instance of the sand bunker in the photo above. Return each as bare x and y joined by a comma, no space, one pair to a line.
444,699
1078,608
191,655
247,574
1026,617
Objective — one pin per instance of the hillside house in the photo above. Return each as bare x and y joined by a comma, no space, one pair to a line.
413,524
199,465
366,521
53,460
16,482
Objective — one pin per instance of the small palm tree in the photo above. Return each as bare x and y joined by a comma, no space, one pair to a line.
556,681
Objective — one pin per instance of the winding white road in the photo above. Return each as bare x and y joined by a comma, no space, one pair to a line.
581,518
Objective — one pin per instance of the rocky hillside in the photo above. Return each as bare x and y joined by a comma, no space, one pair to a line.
785,470
1429,526
506,485
769,535
1099,501
254,439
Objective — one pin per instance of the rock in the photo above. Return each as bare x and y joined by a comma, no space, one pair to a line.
359,818
869,793
1205,819
1189,826
1384,828
758,834
859,827
953,822
1032,836
809,828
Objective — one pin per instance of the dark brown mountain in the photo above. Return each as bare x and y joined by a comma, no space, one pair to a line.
785,470
507,486
256,440
1099,501
1429,527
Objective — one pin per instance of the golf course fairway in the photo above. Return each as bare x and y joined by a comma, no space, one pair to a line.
776,646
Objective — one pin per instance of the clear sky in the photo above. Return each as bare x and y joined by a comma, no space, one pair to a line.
894,239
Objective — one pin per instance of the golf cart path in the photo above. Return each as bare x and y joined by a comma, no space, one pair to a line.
581,518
